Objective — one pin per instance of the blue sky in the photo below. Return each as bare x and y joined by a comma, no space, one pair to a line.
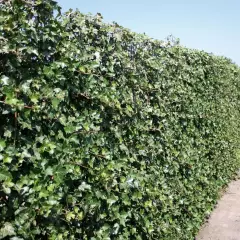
210,25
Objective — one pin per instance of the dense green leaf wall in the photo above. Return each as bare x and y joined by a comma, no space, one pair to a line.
108,134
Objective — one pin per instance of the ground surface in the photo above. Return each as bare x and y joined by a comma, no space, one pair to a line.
224,222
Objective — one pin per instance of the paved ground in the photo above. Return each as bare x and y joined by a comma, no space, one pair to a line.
224,222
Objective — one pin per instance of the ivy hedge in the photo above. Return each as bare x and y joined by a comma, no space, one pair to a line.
108,134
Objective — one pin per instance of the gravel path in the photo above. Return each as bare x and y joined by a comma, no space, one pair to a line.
224,222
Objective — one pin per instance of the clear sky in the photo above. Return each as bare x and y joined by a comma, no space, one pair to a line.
210,25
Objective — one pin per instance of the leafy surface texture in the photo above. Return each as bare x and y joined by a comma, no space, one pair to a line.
108,134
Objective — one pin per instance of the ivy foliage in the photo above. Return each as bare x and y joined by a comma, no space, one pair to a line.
108,134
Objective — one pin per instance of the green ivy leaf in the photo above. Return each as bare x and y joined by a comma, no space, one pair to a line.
2,145
5,175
